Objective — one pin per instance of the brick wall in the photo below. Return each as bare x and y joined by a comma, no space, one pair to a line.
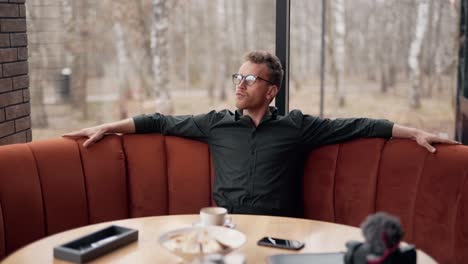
15,121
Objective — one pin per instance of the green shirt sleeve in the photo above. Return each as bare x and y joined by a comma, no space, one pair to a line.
316,131
191,126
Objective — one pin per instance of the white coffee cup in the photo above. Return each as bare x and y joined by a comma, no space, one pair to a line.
214,216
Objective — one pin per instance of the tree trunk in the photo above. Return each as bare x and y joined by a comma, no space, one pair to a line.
415,50
159,49
187,43
428,52
453,69
222,49
340,28
122,61
250,15
384,79
436,79
243,15
39,53
371,33
144,67
330,36
78,83
79,78
304,41
209,76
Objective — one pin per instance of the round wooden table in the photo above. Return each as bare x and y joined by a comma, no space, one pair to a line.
319,237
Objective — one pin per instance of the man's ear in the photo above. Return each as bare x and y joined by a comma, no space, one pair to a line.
272,92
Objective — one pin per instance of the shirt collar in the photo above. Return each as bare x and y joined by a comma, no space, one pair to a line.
272,112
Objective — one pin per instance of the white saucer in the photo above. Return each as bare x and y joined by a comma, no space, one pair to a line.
228,224
231,239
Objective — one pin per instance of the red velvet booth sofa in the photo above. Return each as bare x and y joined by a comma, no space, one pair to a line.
54,185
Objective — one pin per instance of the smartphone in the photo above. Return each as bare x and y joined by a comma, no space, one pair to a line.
281,243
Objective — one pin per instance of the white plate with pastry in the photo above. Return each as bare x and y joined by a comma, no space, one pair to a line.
193,242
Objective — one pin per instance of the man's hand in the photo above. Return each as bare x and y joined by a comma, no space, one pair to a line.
94,134
426,140
423,138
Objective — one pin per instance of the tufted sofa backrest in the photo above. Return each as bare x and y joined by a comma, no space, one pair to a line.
344,183
54,185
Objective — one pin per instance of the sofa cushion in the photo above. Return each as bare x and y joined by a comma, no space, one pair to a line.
400,171
20,198
356,180
105,179
2,234
441,186
461,227
319,184
340,181
147,174
188,169
62,180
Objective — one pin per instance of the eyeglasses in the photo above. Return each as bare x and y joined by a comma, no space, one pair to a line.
249,79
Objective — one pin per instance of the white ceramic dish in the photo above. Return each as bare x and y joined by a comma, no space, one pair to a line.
185,242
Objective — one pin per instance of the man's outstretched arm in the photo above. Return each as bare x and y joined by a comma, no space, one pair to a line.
322,131
423,138
96,133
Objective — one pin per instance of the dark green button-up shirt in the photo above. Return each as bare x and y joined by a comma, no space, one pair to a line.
259,169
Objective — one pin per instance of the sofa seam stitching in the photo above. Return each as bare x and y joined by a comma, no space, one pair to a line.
46,230
210,186
84,182
166,174
127,176
377,177
459,196
334,182
418,184
4,230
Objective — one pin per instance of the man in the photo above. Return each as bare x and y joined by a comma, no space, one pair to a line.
259,155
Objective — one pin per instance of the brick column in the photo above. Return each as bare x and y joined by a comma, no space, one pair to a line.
15,121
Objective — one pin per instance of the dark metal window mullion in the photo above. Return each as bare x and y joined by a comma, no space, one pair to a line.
282,51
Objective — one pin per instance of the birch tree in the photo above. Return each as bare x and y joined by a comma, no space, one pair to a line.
370,36
430,53
40,54
386,52
242,14
233,47
300,53
210,36
79,47
187,10
330,38
222,49
144,44
415,50
338,10
435,79
159,52
250,11
455,15
122,61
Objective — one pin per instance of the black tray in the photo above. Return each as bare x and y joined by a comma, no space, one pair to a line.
96,244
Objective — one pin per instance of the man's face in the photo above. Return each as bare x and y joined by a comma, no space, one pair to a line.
257,95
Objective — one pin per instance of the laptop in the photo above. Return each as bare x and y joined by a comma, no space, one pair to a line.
308,258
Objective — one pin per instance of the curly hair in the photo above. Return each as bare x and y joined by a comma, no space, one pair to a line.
271,61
